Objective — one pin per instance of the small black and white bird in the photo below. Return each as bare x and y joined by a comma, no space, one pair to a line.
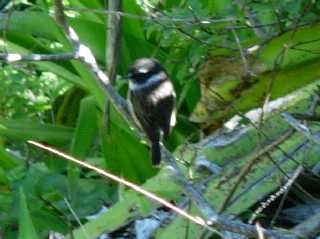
152,102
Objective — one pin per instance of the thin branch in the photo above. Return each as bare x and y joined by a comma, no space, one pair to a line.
252,19
311,114
279,207
223,101
311,111
196,196
303,129
59,14
278,15
315,52
191,36
113,36
276,66
221,222
74,214
296,184
201,186
260,231
308,228
243,56
269,173
273,197
306,117
122,181
190,21
204,21
85,55
15,57
246,169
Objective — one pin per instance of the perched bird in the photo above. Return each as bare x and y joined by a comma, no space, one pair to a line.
152,100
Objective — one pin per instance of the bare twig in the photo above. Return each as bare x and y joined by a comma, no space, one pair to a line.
85,55
74,214
243,56
204,21
197,197
252,19
311,114
281,56
15,57
113,36
306,117
246,169
269,173
59,14
314,104
197,220
280,207
276,66
189,21
272,198
300,127
277,12
260,232
222,100
220,223
308,228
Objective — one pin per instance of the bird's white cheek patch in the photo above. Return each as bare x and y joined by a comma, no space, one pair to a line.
164,90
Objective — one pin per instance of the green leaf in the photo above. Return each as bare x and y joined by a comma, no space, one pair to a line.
26,228
123,153
26,129
3,177
88,15
33,23
7,160
133,36
84,136
92,34
21,43
132,205
217,6
86,128
90,82
296,47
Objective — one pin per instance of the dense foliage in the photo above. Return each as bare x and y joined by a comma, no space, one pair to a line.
224,58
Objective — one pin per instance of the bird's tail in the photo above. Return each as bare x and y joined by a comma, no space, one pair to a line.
155,153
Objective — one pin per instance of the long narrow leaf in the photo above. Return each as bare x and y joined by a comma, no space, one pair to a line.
26,228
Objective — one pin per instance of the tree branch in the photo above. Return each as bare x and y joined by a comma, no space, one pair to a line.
308,228
15,57
113,35
303,129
